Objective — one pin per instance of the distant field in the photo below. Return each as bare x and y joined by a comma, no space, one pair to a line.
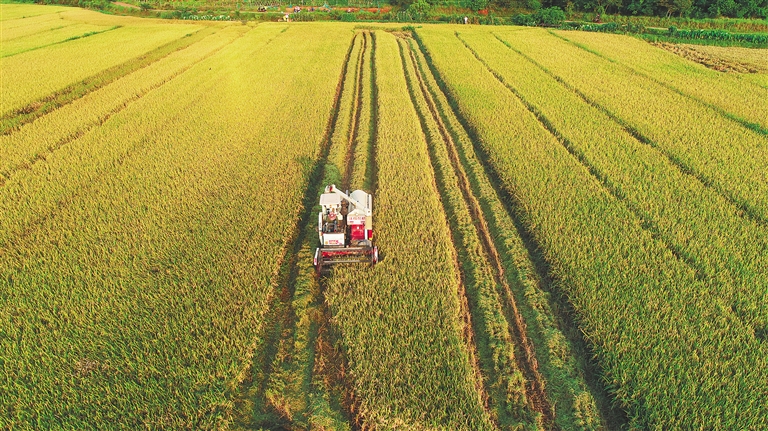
573,228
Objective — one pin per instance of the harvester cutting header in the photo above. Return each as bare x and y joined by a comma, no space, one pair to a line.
345,227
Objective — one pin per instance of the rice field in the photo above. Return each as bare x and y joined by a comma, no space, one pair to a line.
572,229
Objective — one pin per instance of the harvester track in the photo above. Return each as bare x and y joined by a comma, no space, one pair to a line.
253,409
331,362
612,416
525,353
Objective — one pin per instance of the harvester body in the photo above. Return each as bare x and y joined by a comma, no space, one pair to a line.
345,228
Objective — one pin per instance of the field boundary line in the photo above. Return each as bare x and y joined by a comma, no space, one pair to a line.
250,395
563,310
11,121
744,209
733,117
47,152
82,36
537,398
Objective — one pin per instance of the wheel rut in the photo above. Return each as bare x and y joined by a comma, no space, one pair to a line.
525,352
288,377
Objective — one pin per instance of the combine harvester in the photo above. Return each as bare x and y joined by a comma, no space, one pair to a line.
345,228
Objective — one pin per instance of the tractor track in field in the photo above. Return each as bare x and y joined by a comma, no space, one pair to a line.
468,318
349,160
525,352
11,121
333,360
612,415
252,407
744,208
42,156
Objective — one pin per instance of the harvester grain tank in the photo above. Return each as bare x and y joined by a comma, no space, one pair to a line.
345,227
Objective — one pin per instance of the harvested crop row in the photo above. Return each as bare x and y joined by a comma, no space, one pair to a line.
504,379
665,119
673,354
564,380
35,74
141,299
400,323
702,227
724,91
35,141
298,386
361,174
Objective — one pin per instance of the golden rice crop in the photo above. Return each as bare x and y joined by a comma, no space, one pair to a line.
140,293
51,37
400,321
692,134
35,74
16,14
563,377
723,90
702,226
660,337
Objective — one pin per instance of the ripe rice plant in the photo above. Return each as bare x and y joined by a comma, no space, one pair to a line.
139,297
566,389
724,91
691,134
659,334
571,237
20,14
496,348
16,29
51,37
702,228
35,141
35,74
362,169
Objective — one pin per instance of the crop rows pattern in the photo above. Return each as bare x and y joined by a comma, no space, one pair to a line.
566,241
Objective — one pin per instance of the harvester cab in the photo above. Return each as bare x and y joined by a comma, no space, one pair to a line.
345,227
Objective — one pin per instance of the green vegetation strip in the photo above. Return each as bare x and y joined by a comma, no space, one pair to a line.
15,119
